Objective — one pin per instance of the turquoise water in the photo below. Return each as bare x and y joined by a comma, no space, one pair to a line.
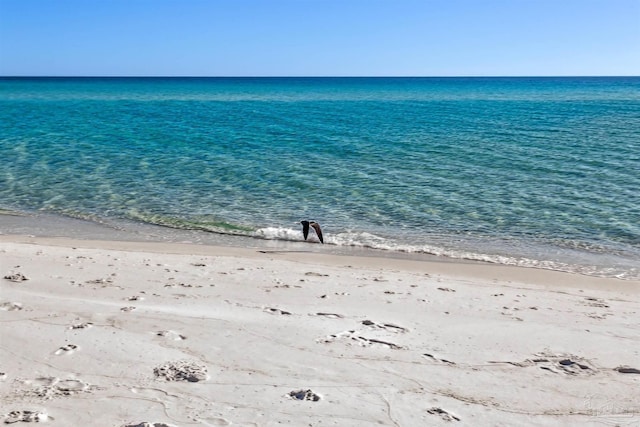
541,172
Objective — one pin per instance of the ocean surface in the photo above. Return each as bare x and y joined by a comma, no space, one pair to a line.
538,172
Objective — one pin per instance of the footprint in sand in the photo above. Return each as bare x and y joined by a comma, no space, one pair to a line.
10,306
71,386
182,285
564,365
182,370
599,316
436,359
84,325
16,277
271,310
385,326
353,336
105,282
595,302
330,315
313,273
172,335
66,349
304,395
148,424
557,363
53,387
383,343
26,417
510,314
447,416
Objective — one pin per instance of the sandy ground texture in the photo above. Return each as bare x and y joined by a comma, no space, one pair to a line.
153,335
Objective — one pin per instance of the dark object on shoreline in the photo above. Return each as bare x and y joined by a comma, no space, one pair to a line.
316,227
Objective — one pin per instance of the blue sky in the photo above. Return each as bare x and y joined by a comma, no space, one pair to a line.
319,37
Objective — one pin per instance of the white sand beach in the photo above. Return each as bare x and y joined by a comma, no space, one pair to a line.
103,333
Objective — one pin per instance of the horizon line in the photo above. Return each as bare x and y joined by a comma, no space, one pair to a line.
317,76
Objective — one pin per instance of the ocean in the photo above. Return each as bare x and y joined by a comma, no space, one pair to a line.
535,172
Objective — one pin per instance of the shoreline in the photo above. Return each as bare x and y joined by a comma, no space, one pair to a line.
370,259
58,226
177,334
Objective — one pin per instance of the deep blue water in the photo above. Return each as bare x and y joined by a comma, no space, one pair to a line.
526,171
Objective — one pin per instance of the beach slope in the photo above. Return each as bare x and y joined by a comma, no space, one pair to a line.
123,334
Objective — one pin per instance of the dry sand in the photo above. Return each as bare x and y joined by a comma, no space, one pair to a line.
153,334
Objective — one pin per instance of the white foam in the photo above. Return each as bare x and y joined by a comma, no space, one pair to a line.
279,233
368,240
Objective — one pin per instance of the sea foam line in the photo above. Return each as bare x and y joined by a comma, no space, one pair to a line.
367,240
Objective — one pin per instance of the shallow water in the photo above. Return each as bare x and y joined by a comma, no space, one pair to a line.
524,171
